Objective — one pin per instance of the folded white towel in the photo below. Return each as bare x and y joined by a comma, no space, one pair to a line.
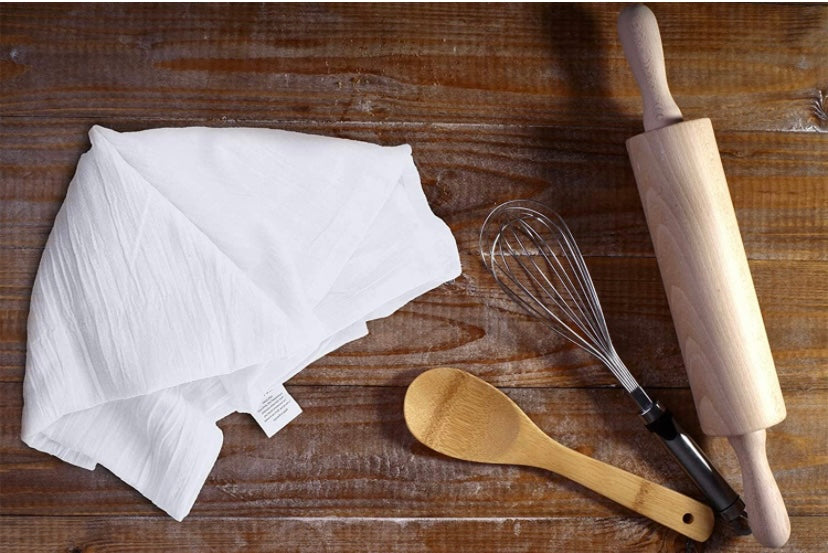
190,269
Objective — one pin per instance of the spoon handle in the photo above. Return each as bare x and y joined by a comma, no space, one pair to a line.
665,506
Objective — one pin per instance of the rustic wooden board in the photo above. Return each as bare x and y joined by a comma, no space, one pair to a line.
747,67
350,454
470,324
467,170
498,102
400,535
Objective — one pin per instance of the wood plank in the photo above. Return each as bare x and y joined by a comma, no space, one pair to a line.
744,66
467,170
349,454
470,324
401,535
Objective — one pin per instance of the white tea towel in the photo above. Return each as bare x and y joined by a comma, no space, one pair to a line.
191,269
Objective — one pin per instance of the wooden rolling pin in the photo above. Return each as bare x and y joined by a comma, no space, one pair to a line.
706,276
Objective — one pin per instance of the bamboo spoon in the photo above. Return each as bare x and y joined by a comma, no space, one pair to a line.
461,416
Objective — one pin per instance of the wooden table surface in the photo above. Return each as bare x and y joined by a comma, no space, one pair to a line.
498,102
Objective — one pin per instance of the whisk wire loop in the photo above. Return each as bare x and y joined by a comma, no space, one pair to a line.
569,248
536,261
543,284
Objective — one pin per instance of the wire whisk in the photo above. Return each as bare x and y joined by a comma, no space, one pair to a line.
533,256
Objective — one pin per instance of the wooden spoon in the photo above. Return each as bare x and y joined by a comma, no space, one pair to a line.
461,416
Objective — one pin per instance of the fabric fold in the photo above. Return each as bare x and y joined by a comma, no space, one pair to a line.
190,269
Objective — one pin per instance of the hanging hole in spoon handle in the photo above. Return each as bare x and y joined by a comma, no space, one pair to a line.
640,37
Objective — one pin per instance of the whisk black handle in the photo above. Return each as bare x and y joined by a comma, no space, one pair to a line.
698,467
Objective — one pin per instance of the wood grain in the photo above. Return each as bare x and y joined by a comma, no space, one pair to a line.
743,66
469,323
498,102
467,170
713,302
400,535
350,454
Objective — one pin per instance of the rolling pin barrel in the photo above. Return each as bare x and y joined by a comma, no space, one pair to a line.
706,276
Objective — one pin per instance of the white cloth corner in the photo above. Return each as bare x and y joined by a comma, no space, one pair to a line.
190,269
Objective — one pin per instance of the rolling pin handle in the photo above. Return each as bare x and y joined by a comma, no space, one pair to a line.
766,510
640,37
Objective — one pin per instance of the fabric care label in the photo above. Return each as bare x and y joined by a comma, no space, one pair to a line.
276,410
